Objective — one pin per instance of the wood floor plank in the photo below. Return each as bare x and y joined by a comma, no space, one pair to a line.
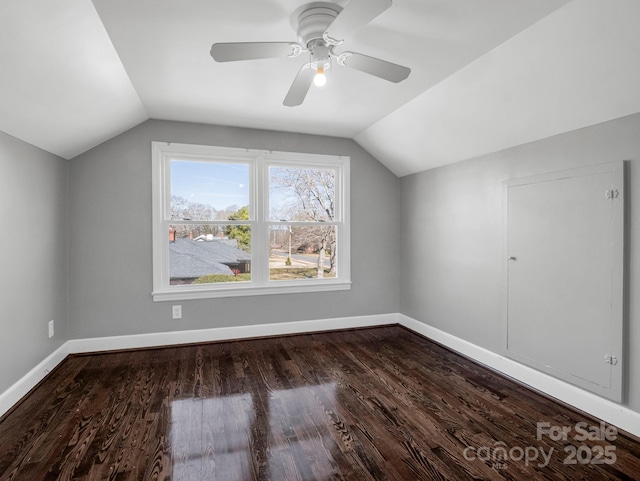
369,404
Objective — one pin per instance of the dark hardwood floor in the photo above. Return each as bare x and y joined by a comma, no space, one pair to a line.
369,404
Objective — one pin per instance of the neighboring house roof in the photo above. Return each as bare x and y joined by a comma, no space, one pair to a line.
189,259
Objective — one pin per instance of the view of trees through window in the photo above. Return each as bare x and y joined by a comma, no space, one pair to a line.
210,238
305,198
182,209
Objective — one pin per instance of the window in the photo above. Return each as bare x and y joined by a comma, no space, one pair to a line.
231,222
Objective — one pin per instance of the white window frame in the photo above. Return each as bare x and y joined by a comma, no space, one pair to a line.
259,162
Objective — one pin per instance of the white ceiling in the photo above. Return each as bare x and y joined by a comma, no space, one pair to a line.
486,74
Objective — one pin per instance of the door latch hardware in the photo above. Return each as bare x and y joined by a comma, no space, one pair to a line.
613,360
611,194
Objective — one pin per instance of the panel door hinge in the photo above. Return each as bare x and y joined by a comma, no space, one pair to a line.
609,359
611,194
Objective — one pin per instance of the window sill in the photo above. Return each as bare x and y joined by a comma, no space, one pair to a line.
180,293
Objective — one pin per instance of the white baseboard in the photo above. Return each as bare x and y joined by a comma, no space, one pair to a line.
590,403
25,384
77,346
601,408
226,333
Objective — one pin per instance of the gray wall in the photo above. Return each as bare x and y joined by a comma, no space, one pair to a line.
110,267
451,257
33,253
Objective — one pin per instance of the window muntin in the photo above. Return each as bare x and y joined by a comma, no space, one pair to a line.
256,203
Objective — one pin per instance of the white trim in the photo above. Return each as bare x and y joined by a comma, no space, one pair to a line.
609,411
78,346
226,333
25,384
162,153
287,287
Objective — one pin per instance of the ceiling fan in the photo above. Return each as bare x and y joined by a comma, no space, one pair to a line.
321,27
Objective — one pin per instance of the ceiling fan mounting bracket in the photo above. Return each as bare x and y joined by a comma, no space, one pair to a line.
296,50
341,59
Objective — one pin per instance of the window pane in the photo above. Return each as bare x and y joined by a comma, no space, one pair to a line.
207,254
208,190
302,252
302,194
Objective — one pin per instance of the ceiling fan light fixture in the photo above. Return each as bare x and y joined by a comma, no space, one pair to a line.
320,79
320,61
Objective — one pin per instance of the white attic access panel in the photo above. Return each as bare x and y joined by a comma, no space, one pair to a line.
564,264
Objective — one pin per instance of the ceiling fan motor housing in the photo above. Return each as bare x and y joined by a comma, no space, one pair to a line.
314,21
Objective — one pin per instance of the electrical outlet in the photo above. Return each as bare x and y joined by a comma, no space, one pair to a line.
176,312
50,329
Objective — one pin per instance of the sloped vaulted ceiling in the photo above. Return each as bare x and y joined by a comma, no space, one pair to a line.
486,74
575,68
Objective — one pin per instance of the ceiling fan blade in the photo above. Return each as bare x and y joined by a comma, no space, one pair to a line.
231,52
300,86
353,17
374,66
